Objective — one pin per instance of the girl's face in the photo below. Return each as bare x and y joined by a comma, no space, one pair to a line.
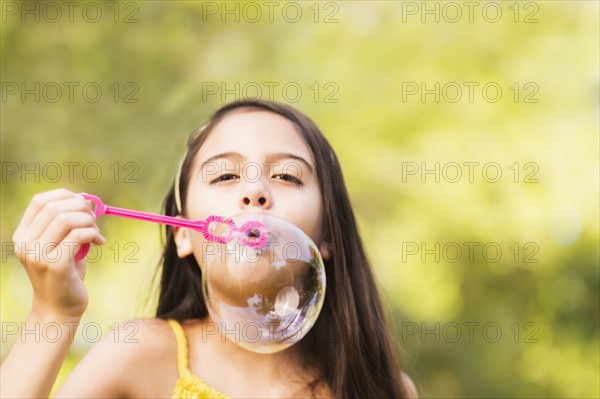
252,161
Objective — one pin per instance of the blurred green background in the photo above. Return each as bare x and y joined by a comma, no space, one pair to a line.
489,263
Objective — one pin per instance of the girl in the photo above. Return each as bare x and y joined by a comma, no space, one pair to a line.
349,353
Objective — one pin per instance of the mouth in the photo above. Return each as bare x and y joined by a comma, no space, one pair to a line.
254,234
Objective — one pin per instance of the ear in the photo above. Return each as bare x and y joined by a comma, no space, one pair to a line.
326,250
182,241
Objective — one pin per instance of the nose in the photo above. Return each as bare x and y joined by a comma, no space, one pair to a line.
255,195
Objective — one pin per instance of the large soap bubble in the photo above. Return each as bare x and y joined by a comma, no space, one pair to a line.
263,280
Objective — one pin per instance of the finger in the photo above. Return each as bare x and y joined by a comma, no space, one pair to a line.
51,211
39,201
77,237
63,224
60,257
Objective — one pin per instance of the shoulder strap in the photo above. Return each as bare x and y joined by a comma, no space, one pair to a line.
182,350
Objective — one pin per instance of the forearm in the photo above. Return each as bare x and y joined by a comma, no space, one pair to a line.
31,367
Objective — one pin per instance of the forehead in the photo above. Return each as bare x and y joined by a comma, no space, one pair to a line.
253,133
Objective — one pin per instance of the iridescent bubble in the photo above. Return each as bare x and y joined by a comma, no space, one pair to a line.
264,286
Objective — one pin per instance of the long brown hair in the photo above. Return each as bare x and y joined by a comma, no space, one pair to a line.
350,345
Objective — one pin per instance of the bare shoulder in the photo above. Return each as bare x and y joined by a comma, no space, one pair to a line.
139,358
412,389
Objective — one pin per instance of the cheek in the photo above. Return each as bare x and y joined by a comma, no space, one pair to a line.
310,218
313,230
202,249
200,204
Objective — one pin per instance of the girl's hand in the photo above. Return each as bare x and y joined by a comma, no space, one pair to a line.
55,225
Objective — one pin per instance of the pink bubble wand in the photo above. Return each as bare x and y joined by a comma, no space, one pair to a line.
253,232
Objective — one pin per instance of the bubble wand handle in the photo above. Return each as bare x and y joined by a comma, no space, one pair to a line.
102,209
254,230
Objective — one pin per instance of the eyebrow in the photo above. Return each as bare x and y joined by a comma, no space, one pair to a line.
287,155
275,155
222,155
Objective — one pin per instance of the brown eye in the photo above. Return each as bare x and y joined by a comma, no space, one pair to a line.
225,178
288,178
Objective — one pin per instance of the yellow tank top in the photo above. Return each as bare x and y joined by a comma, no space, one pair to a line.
189,385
